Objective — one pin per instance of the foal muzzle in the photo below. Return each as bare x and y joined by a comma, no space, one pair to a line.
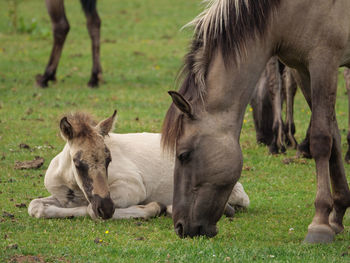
103,207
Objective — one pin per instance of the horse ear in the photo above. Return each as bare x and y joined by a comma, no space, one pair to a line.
181,103
105,126
66,129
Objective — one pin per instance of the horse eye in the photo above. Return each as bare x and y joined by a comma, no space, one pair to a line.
183,157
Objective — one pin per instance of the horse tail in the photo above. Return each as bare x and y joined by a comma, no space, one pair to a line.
88,5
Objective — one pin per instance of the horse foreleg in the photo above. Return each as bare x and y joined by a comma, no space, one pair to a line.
60,28
347,85
94,24
50,207
290,88
322,142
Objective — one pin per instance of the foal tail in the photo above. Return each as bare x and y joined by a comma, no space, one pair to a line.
88,5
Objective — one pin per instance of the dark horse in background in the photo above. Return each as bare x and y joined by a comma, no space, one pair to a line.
277,85
232,43
60,28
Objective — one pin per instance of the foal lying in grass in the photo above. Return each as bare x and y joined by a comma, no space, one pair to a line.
107,175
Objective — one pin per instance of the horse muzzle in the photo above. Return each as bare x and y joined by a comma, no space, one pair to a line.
102,207
184,230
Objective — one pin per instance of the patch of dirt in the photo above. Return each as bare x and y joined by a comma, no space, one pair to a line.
295,159
35,164
26,259
24,146
21,205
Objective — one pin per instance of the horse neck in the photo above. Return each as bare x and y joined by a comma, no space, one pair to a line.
230,86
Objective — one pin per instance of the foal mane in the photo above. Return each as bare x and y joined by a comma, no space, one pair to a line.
82,124
224,25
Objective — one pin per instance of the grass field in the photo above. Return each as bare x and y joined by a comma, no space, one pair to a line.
141,53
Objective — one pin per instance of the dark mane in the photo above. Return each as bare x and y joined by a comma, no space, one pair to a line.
226,25
82,124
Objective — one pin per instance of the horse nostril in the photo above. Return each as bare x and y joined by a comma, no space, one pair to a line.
179,229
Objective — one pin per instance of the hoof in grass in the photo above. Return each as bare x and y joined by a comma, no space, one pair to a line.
319,235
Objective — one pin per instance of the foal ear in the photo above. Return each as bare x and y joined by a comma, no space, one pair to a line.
66,129
105,126
181,103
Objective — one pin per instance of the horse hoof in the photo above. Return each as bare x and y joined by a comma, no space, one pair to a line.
93,84
319,235
40,81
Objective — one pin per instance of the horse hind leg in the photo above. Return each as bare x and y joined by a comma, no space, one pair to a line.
347,85
341,193
93,23
60,27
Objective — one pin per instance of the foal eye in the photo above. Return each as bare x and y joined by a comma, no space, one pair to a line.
183,157
108,160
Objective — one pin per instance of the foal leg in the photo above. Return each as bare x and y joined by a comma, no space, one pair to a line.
238,198
323,141
290,88
60,28
347,84
93,23
50,207
150,210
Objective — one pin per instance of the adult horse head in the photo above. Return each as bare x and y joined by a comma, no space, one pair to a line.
232,43
90,158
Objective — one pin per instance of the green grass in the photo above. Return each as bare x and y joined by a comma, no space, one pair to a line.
142,50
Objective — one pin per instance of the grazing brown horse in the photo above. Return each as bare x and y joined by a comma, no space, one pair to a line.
60,28
233,40
276,85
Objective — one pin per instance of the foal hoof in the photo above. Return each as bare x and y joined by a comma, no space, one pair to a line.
229,211
319,235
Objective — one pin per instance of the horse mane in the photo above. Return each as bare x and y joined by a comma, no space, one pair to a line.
226,25
83,124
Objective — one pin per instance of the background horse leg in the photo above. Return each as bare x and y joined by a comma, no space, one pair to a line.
302,77
322,141
275,89
289,86
347,85
60,28
50,207
93,23
262,111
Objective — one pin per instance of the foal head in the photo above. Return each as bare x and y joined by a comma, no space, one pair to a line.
90,158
